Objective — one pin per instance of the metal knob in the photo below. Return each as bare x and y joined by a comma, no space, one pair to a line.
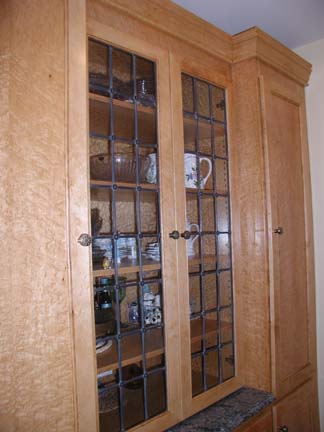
174,234
278,230
186,235
85,240
283,429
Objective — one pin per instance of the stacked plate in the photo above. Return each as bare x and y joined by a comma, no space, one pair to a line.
152,251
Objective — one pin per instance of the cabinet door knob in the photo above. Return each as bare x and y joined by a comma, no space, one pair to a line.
278,230
283,429
186,235
174,234
85,239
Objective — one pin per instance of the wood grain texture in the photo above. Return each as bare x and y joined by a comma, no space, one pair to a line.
259,423
250,243
110,15
180,24
256,43
291,255
36,353
296,411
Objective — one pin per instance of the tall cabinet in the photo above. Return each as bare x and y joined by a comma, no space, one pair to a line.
195,267
164,227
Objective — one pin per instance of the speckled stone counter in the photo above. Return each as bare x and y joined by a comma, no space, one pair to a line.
228,413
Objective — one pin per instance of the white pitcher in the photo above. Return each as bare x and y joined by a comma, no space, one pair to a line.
191,171
192,239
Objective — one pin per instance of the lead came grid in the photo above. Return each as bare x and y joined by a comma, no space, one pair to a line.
205,111
107,85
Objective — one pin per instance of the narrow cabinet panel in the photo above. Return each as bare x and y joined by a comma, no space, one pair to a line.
290,245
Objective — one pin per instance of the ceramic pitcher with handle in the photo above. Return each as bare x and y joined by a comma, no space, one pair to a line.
191,241
191,171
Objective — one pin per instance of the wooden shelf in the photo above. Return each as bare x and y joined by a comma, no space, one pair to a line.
129,266
207,260
103,183
148,265
132,350
204,128
192,192
122,104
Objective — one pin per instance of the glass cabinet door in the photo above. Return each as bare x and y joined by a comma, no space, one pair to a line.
126,237
208,234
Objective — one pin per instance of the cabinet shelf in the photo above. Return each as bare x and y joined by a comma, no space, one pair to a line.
104,183
193,193
197,260
132,350
121,104
130,266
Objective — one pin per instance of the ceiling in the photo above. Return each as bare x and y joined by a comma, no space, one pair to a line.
292,22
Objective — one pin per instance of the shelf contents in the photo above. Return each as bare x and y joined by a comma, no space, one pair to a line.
151,171
192,239
152,251
192,178
124,165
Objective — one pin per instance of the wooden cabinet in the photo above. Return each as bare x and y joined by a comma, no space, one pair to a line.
238,309
219,139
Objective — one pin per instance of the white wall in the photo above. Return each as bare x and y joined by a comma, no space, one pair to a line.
314,53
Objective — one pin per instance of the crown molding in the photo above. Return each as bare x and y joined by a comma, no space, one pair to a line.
172,19
255,43
176,21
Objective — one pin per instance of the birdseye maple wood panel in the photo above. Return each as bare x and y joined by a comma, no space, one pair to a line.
250,243
37,391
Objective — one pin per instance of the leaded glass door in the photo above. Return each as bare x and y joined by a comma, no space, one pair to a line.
208,235
126,218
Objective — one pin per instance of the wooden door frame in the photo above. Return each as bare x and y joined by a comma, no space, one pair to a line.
194,68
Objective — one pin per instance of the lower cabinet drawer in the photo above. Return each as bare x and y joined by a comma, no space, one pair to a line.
261,423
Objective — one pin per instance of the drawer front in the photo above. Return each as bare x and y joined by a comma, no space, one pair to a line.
260,424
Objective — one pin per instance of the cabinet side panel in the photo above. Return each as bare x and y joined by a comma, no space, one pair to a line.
250,244
36,356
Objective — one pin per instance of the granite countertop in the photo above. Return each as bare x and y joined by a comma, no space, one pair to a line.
228,413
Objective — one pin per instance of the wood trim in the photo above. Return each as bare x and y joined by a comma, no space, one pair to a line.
166,16
179,23
256,43
78,199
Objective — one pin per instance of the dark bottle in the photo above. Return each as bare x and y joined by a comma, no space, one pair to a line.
105,311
